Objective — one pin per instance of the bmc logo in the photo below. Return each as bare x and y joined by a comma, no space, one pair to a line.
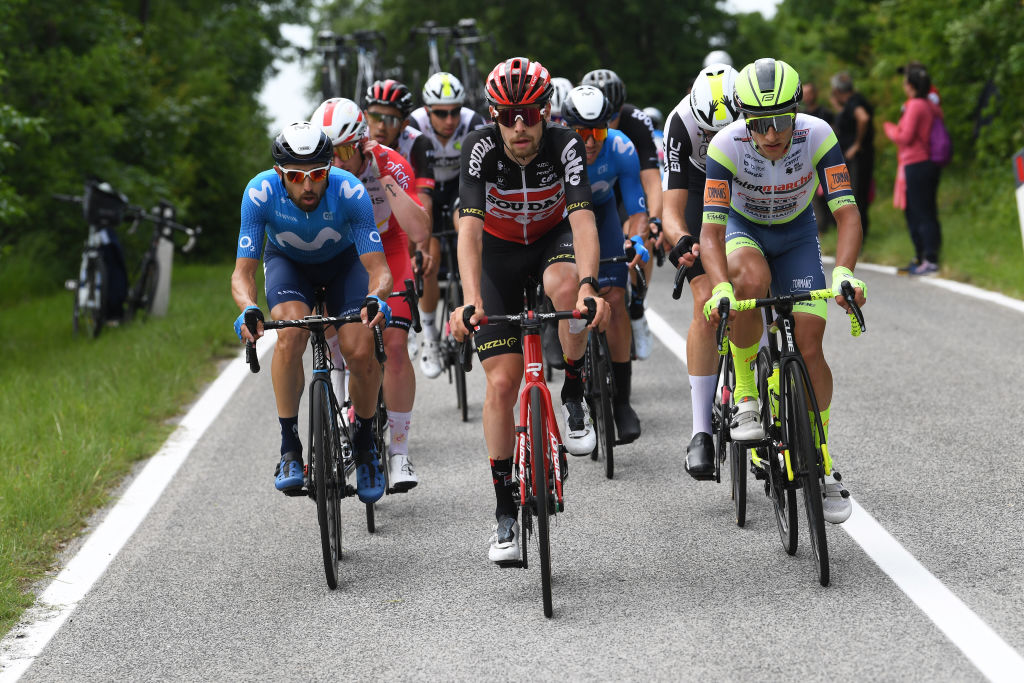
716,193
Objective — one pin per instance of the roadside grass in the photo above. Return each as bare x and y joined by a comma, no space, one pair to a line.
981,236
77,413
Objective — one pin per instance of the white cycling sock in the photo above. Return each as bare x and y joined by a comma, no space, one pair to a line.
702,394
398,424
427,321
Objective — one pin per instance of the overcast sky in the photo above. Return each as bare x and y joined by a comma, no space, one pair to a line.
285,98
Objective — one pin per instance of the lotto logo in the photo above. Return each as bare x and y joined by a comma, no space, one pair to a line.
837,178
716,193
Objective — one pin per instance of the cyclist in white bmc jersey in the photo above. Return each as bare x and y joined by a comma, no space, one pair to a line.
759,231
707,109
445,122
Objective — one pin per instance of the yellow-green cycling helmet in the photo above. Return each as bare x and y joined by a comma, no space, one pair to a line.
768,86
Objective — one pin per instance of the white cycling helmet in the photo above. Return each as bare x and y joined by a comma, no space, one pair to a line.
443,88
342,120
302,142
717,57
656,117
711,98
560,88
587,107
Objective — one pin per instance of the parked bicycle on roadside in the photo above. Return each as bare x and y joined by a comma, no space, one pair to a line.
102,291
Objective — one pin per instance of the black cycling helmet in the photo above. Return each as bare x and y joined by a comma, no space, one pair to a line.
587,107
302,143
610,84
389,93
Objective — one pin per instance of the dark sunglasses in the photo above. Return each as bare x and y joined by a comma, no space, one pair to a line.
780,122
531,116
389,120
317,175
445,113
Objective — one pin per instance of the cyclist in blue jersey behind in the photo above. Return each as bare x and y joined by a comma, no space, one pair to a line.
318,223
611,161
759,231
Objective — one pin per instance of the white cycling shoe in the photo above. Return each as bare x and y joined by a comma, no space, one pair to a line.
837,505
401,474
430,361
505,542
580,436
643,341
746,421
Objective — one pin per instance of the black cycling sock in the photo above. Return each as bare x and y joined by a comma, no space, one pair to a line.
623,382
362,436
573,386
290,435
636,306
501,476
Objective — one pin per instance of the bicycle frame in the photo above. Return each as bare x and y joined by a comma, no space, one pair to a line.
533,375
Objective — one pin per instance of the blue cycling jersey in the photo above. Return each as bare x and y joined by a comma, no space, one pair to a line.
343,217
617,161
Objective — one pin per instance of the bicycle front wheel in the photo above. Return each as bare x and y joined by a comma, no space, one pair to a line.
455,296
90,311
738,470
323,459
541,494
600,381
804,456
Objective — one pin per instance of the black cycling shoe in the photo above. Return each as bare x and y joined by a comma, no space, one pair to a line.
627,424
700,457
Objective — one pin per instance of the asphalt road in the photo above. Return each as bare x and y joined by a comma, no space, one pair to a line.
223,580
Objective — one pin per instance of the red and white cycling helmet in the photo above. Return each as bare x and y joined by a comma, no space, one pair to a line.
518,81
389,93
342,120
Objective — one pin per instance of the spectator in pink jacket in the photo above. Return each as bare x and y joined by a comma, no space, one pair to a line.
912,136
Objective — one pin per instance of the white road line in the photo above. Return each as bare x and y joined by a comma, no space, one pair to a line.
989,653
965,629
26,641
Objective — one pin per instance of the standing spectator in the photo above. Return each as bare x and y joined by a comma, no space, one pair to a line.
855,129
912,136
811,106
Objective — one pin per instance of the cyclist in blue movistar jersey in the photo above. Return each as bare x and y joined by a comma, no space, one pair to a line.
635,123
318,223
759,231
611,161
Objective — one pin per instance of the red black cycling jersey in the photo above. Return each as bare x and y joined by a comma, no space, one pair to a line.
521,203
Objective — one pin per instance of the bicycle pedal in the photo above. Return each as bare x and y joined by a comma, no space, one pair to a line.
296,492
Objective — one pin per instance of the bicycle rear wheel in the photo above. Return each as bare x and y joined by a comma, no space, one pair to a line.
539,471
805,457
738,470
324,456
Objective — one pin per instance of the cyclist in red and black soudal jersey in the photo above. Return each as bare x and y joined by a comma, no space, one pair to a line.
525,212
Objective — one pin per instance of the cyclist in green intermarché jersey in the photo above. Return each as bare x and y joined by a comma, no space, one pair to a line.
759,231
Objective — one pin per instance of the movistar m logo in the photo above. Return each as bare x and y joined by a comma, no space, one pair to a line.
348,191
261,195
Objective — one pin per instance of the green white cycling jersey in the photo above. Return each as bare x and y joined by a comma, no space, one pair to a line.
770,193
